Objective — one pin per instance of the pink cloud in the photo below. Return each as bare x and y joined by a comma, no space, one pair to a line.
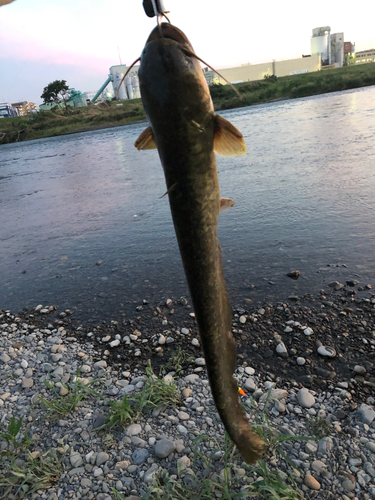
23,50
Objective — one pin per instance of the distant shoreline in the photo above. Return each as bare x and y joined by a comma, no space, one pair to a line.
110,115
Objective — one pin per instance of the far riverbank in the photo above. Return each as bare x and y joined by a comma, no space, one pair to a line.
113,114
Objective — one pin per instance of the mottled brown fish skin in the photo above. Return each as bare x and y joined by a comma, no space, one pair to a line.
178,105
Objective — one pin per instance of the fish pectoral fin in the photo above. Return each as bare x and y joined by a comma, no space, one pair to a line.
228,140
225,203
146,140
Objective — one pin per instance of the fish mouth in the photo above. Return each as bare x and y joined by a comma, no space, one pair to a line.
167,30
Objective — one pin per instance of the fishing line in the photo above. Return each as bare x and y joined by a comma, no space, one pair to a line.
192,54
126,74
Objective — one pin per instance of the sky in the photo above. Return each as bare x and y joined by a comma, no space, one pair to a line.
79,40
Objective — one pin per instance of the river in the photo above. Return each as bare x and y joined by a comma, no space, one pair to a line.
82,224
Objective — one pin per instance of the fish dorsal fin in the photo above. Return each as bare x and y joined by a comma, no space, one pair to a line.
146,140
225,203
228,140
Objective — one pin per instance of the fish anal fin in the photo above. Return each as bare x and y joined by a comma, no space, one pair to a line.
146,140
225,203
228,140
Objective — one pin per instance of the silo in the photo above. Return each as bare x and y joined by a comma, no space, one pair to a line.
116,86
321,44
135,85
129,87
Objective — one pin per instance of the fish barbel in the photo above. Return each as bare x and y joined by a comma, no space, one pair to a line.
186,132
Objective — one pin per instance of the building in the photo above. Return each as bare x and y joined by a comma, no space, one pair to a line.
250,72
349,53
365,56
7,110
25,107
329,46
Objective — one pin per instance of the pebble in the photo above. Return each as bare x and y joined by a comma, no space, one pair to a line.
185,331
164,448
249,370
250,385
195,342
308,331
133,429
327,351
114,343
301,361
200,361
140,455
311,482
305,398
242,320
101,458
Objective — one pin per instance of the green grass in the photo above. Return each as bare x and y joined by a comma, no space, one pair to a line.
63,405
293,86
229,478
34,474
54,123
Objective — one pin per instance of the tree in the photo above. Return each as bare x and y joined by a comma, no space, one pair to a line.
56,92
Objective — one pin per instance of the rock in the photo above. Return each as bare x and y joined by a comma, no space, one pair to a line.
186,393
27,383
182,464
275,394
24,364
308,331
319,467
249,370
200,361
250,385
182,430
140,455
305,398
124,464
293,274
4,357
366,413
75,459
114,343
192,379
288,329
311,447
164,448
370,445
182,415
242,320
161,340
301,361
280,407
327,351
100,365
282,350
185,331
150,474
325,445
99,421
101,458
311,482
133,430
359,370
195,342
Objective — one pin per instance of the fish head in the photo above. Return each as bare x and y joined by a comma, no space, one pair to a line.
170,32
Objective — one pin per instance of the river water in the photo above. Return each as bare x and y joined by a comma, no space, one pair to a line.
82,225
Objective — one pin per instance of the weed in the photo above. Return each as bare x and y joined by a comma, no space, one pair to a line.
14,445
63,405
121,414
319,427
117,495
178,361
35,474
223,480
156,393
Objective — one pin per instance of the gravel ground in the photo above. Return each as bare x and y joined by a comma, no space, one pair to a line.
315,355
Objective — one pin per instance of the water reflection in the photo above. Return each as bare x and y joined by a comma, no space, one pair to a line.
304,199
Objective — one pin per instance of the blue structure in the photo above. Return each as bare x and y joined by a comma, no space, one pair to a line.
7,110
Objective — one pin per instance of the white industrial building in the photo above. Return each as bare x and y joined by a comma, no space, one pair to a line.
129,89
329,46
